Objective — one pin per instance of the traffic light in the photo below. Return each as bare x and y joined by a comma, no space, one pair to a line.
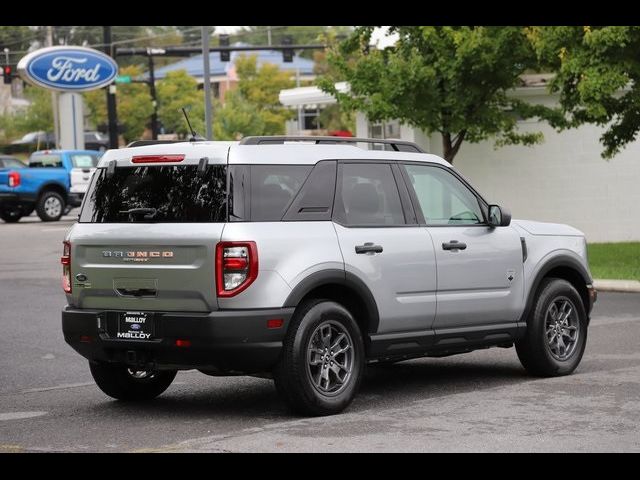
287,53
7,70
224,42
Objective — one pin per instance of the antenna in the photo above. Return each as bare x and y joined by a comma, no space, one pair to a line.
194,135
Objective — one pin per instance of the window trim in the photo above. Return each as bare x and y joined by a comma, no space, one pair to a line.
338,195
482,203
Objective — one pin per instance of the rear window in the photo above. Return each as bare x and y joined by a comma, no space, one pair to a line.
168,193
43,160
84,161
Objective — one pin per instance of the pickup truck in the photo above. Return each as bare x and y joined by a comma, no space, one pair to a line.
53,182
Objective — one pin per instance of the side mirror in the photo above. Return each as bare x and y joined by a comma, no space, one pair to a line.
499,216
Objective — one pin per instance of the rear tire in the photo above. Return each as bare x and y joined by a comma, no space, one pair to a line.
50,206
556,335
10,216
322,361
122,383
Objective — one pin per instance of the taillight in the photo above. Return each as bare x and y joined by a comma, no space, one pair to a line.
14,179
65,260
236,267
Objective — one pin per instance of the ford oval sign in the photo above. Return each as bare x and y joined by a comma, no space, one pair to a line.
68,69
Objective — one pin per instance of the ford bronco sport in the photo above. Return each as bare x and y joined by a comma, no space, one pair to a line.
308,261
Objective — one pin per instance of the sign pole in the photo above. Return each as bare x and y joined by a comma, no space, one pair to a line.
208,114
112,112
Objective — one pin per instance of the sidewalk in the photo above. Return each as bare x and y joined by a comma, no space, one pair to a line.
604,285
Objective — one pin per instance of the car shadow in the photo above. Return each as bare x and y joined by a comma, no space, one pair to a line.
383,386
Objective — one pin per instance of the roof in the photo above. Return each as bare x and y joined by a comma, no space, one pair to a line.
294,153
195,65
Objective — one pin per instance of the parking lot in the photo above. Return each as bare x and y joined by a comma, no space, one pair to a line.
482,401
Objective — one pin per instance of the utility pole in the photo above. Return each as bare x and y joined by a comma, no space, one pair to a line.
208,114
54,95
111,94
154,98
269,36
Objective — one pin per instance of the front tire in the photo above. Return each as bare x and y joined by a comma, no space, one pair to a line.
50,207
556,331
322,360
122,383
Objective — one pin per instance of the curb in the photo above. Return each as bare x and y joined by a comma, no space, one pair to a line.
604,285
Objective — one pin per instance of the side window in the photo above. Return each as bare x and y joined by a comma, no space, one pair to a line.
443,198
272,189
84,161
368,195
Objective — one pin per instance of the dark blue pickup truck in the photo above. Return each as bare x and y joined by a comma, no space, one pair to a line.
53,182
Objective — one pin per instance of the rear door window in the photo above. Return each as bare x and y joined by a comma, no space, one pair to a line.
169,193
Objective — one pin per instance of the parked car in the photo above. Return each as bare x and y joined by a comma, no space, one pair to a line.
306,263
93,140
52,182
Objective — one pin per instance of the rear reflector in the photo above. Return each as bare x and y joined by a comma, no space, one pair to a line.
183,343
275,323
157,159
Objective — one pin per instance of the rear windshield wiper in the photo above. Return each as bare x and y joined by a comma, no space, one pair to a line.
148,213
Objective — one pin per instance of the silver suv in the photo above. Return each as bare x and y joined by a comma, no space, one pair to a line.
307,260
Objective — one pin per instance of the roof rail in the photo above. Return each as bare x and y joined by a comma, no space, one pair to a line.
143,143
397,145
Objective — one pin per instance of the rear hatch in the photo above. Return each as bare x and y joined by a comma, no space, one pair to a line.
146,236
83,166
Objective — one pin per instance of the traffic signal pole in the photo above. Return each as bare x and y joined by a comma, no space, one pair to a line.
111,95
208,111
154,98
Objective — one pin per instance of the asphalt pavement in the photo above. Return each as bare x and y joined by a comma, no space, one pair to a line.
482,401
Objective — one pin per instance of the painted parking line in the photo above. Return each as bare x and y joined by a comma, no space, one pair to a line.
20,415
58,387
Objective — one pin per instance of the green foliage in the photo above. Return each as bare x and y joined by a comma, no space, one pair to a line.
38,116
237,118
452,80
133,105
597,78
261,88
177,90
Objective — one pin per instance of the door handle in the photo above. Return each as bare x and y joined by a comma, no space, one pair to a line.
454,245
368,247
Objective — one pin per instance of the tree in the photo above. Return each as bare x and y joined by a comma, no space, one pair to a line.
597,78
237,118
261,87
177,90
38,116
451,80
133,104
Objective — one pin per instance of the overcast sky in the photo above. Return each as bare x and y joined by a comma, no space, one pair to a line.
378,36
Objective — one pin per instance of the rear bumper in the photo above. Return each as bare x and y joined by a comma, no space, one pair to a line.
75,199
232,341
16,200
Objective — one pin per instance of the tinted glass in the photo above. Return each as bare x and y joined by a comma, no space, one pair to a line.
84,160
176,193
45,160
272,189
443,198
368,195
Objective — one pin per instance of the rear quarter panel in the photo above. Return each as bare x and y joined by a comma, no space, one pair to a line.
288,252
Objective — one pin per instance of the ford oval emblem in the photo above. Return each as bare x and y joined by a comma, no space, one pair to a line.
68,69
